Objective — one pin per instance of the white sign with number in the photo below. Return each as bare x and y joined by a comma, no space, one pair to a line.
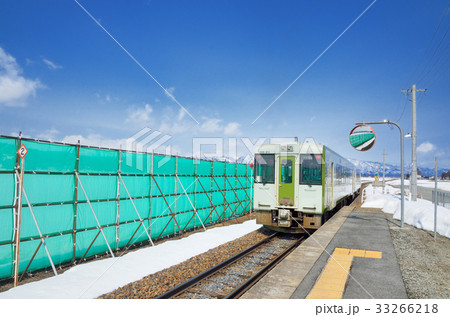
22,151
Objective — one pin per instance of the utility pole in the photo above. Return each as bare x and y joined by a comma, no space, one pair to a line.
413,179
384,152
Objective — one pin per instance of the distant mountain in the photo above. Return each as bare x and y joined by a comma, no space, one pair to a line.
241,159
369,168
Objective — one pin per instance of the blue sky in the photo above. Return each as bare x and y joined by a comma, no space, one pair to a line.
63,78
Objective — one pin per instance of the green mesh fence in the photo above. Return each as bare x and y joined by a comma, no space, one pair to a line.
131,195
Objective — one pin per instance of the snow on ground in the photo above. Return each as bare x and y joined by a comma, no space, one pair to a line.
93,279
442,185
419,214
365,179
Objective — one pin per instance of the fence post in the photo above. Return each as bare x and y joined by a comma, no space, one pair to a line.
235,184
225,189
176,194
211,190
75,206
19,218
250,186
119,171
151,198
195,191
436,201
16,193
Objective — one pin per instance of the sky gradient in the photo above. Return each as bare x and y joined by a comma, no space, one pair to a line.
63,78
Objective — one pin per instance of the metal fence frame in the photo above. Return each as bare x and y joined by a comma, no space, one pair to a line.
157,192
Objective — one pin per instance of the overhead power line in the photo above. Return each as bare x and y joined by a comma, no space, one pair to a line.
431,58
429,44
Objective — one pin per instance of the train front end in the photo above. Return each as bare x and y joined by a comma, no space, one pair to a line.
288,188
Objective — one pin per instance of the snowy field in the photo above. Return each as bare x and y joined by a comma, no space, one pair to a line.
93,279
443,185
372,179
419,214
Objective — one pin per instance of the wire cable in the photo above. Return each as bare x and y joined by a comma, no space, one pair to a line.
438,77
444,14
317,58
434,53
434,65
429,44
137,62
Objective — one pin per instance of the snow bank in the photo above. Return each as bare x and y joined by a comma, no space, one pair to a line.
419,214
442,185
93,279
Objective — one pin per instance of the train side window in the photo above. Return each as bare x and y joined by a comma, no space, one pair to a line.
286,171
265,168
311,169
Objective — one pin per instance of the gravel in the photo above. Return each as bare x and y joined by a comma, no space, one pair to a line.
162,281
424,262
223,282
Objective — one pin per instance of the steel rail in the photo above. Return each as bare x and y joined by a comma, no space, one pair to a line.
184,286
247,284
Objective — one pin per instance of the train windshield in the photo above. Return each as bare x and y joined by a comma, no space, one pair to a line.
311,169
265,168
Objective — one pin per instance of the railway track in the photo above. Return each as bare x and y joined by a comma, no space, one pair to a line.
232,277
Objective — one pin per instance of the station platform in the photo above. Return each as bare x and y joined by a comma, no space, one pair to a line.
351,256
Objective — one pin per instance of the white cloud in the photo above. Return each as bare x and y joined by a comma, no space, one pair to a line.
173,121
210,125
14,88
232,129
95,140
105,98
426,147
173,127
50,135
158,143
181,114
169,92
51,65
140,115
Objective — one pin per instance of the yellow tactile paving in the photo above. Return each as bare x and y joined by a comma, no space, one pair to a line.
341,251
373,254
359,253
331,283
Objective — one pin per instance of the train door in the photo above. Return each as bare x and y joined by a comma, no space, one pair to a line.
286,187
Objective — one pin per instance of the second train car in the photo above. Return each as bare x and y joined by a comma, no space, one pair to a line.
298,186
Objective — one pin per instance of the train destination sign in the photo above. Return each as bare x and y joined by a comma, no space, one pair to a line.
362,137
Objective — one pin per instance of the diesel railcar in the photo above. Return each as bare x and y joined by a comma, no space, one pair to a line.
298,186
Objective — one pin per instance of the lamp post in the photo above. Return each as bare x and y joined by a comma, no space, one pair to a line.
401,163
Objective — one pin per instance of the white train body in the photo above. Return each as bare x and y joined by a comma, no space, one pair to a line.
298,185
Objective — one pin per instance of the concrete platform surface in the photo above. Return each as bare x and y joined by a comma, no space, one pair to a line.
350,256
